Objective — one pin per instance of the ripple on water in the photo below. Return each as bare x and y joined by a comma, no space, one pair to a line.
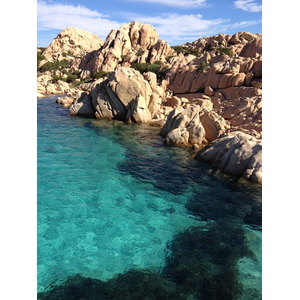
112,198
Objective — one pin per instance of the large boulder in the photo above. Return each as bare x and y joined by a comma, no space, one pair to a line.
138,111
72,42
125,95
237,153
253,48
192,125
83,107
214,124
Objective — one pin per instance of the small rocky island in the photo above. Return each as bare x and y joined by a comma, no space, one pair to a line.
206,94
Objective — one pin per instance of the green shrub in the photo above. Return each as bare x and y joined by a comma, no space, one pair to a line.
76,83
168,58
152,68
63,63
224,50
141,67
42,49
203,66
161,73
99,74
140,52
147,67
53,66
48,66
40,57
71,78
55,78
186,50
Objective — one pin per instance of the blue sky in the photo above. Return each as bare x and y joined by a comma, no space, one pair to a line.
176,21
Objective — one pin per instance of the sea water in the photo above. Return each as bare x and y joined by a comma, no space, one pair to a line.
113,198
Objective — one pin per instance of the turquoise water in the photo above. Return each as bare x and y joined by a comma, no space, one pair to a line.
113,199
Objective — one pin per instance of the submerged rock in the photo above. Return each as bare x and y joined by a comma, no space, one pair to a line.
134,284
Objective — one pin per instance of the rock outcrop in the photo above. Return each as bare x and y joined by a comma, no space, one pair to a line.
45,85
222,72
133,42
193,125
70,43
236,43
244,114
125,95
236,153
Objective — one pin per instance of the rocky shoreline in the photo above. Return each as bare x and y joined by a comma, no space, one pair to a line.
206,94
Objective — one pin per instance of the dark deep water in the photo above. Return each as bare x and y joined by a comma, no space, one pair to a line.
122,216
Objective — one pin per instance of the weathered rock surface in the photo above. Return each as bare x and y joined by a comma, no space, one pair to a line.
83,106
133,42
65,101
125,95
236,153
222,72
236,43
244,114
193,125
46,86
72,42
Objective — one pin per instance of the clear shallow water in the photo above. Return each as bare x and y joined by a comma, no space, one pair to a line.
113,198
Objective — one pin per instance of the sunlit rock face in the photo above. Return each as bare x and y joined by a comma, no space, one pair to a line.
236,153
71,43
133,42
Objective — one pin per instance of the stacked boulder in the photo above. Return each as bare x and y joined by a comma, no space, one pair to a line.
124,95
133,42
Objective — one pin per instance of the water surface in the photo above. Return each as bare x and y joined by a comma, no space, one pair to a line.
114,201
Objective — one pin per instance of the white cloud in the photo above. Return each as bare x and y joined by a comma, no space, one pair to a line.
244,24
175,27
176,3
248,5
59,16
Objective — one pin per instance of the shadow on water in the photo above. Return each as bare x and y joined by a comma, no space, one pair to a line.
201,265
132,285
203,260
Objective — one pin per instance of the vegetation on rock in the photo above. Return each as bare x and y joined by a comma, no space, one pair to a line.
224,50
53,66
100,74
186,50
155,68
